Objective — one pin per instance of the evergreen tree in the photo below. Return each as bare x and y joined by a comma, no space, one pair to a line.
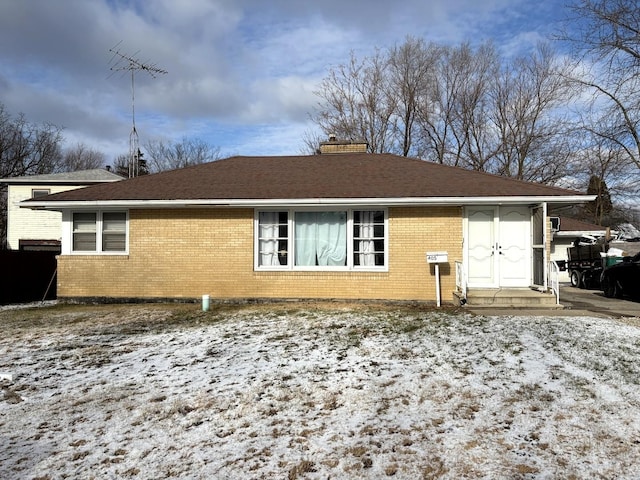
600,208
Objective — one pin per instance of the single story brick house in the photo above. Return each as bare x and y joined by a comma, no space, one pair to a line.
345,225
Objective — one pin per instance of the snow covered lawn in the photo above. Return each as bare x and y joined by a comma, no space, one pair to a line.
315,391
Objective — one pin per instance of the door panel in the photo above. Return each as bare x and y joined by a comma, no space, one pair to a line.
514,247
499,247
481,241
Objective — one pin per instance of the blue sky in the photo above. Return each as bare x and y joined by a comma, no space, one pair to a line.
241,73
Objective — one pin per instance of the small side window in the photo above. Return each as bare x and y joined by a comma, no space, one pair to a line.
114,232
84,232
39,192
273,238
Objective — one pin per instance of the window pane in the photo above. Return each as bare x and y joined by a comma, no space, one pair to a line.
273,232
84,222
321,238
114,222
84,232
84,242
114,232
368,238
38,193
114,242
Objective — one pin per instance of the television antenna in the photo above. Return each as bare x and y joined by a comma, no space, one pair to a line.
123,62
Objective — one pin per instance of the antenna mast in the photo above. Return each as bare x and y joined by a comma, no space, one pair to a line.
121,62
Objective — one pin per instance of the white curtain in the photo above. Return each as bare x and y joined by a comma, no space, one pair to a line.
366,245
321,238
268,224
332,238
306,238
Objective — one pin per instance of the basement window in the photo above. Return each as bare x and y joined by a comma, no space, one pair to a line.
321,240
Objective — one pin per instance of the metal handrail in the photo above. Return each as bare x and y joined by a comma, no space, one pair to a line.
553,280
461,282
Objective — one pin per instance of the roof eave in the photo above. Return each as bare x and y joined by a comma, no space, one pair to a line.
309,202
26,181
577,233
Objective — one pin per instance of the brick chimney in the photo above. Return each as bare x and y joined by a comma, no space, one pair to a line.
343,146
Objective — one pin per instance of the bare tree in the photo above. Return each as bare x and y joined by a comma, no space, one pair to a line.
528,105
603,159
81,157
462,106
189,151
311,140
475,143
356,104
606,35
27,148
438,112
121,165
454,118
412,71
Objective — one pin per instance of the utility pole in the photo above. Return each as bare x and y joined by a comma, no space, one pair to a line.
122,62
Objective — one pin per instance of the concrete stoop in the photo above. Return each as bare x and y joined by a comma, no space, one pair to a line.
507,298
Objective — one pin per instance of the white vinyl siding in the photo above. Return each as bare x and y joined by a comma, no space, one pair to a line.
27,224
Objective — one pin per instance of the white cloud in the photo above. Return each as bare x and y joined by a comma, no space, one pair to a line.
230,63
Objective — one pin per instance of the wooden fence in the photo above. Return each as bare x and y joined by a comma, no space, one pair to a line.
27,276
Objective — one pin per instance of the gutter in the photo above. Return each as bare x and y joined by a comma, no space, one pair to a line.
306,202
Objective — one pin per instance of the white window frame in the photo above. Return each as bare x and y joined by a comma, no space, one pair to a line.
67,230
40,192
291,254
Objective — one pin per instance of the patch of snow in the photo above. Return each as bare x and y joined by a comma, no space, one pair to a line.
318,394
20,306
628,231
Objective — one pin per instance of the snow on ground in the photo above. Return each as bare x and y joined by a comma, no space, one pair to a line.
302,392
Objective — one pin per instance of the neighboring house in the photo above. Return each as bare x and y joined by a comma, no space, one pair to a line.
334,226
565,231
41,230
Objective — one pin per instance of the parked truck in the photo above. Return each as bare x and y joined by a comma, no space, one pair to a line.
585,264
587,261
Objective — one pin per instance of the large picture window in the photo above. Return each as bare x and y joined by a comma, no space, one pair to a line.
310,239
94,232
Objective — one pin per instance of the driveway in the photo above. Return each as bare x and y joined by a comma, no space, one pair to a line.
594,302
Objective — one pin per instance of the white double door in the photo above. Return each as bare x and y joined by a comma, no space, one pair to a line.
498,246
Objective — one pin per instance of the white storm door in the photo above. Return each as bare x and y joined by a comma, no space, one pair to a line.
514,247
481,242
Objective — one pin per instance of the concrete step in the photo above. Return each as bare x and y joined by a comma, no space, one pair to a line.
507,298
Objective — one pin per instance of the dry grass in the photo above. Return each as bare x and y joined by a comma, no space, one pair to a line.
315,390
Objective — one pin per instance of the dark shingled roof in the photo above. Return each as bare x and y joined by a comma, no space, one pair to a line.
349,176
568,224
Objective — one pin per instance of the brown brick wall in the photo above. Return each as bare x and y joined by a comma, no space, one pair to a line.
343,147
185,253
